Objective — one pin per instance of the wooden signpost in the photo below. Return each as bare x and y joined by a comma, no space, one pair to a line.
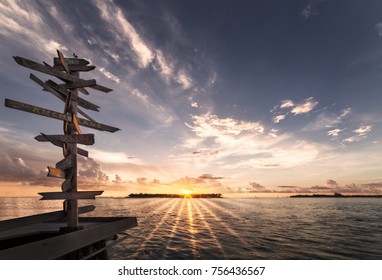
66,69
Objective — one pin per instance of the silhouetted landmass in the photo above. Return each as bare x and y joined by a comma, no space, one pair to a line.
332,195
166,195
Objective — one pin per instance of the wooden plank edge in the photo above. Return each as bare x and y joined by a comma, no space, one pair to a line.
58,246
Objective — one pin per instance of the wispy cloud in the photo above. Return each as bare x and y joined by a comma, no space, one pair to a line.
109,75
360,133
310,10
334,132
278,118
243,144
304,107
378,27
24,23
287,104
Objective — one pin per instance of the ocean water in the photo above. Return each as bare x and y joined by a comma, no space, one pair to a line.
228,228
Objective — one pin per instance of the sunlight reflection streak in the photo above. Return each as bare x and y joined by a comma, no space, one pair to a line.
209,229
191,227
159,224
224,224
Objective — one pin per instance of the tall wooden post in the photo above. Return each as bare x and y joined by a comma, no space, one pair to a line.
67,70
72,204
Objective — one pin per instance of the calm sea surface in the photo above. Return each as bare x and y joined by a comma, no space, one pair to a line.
287,228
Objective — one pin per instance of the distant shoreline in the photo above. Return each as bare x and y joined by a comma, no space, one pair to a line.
335,195
161,195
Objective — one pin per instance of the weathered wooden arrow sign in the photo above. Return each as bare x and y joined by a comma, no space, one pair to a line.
62,144
71,61
85,83
81,102
56,115
51,71
75,67
63,62
68,162
84,139
55,172
69,195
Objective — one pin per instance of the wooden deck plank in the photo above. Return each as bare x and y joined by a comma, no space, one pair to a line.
56,247
39,218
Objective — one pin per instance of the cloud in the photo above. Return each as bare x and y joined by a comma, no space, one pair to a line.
109,75
304,107
88,168
241,145
256,187
345,112
334,132
309,11
378,27
24,23
287,103
278,118
331,183
210,177
361,133
121,28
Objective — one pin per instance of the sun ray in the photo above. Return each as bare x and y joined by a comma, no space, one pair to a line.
229,229
209,229
158,225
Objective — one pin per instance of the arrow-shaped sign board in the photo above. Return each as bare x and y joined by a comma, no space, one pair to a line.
71,61
56,115
68,162
84,139
55,172
63,62
69,195
51,71
61,144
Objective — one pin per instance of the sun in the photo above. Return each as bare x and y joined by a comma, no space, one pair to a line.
186,192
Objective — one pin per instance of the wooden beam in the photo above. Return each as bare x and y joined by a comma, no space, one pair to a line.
56,115
56,173
75,68
84,139
69,195
63,61
70,61
51,71
66,163
56,247
61,144
76,125
67,185
84,83
81,102
36,110
40,218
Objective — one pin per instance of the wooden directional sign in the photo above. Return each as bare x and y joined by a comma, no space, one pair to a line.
51,71
84,139
56,115
61,144
75,67
76,125
68,162
81,102
85,83
71,61
67,185
63,62
55,172
69,195
36,110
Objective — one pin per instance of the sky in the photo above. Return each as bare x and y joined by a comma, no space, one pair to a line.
261,97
